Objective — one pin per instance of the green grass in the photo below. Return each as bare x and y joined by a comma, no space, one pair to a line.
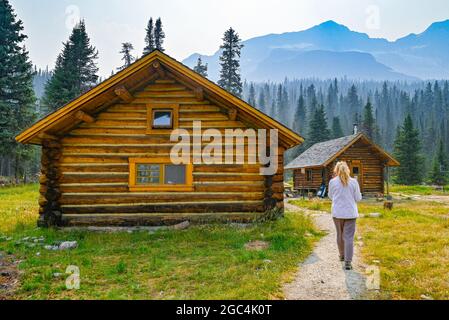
18,207
202,262
411,242
313,204
418,190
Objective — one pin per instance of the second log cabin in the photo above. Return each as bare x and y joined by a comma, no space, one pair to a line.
367,162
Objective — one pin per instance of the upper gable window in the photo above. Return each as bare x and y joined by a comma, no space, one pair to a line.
162,118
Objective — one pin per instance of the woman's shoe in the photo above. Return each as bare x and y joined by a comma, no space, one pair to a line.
342,258
348,265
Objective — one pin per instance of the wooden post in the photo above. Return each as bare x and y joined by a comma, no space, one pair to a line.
388,180
303,173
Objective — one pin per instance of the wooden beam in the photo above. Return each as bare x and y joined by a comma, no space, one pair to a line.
81,115
159,69
232,114
47,136
124,94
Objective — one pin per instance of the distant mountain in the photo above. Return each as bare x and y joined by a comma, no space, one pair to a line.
324,65
298,54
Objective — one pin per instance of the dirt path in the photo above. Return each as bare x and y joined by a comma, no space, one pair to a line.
436,198
9,276
321,276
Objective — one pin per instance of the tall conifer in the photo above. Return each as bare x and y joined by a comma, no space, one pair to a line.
149,38
159,35
318,130
407,149
201,68
230,79
17,100
75,71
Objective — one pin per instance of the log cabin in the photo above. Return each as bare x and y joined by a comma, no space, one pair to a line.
106,154
368,163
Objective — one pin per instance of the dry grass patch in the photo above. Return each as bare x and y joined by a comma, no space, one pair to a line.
411,242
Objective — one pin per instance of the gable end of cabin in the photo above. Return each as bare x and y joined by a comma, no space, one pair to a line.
114,168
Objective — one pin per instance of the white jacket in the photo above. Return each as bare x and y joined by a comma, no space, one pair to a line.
344,199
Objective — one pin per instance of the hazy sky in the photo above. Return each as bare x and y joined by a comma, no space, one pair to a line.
197,25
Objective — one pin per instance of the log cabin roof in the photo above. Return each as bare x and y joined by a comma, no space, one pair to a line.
323,153
133,78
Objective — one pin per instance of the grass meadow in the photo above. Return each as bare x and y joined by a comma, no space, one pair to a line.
201,262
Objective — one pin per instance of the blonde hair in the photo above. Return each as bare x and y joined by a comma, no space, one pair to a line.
342,170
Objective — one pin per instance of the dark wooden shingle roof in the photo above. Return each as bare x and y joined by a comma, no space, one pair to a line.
318,154
321,154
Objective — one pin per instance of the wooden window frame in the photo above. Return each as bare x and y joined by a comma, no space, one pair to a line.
359,164
151,108
133,186
311,175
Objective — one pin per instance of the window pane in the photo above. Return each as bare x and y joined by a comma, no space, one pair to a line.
148,174
162,119
355,170
175,174
309,175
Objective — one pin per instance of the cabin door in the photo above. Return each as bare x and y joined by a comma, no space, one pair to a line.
357,172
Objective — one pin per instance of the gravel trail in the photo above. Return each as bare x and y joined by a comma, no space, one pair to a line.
321,276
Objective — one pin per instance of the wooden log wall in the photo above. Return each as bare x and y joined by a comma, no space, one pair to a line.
50,213
300,181
95,170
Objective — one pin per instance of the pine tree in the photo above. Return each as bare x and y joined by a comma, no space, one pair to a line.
159,35
299,119
277,112
261,103
75,71
439,173
252,95
312,102
407,149
353,100
369,123
149,38
230,65
17,100
127,56
201,68
337,131
318,130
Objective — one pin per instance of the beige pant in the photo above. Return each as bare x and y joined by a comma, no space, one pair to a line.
345,237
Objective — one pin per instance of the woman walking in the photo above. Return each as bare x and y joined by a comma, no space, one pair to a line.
344,192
